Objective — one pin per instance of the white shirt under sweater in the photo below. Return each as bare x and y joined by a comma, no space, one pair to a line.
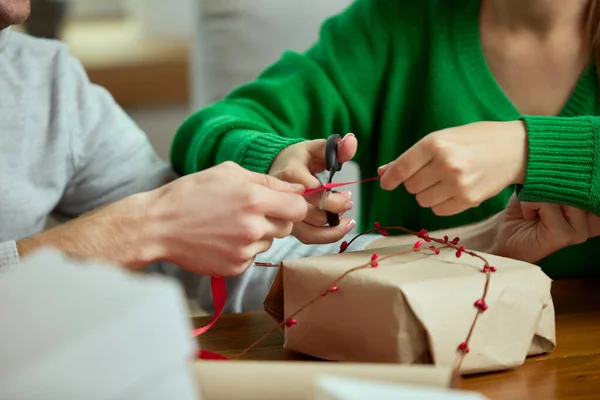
67,148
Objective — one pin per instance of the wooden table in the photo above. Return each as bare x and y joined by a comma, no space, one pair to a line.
572,371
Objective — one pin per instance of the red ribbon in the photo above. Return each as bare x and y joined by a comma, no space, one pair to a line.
219,287
219,297
328,186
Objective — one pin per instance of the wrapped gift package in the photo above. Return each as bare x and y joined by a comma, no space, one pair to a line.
90,330
414,308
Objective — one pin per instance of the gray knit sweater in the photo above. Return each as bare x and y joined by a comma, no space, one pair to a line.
67,148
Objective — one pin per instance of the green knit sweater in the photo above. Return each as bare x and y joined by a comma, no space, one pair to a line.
393,71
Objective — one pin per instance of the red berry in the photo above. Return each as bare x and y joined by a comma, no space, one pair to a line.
455,240
343,246
481,305
290,322
492,269
334,288
464,347
446,238
418,244
383,232
377,225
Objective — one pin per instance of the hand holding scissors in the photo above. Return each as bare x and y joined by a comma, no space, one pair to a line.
300,163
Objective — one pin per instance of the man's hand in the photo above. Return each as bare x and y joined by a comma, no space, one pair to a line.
212,223
533,231
299,163
458,168
216,221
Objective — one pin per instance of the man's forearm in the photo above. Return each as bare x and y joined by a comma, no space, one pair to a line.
118,233
478,237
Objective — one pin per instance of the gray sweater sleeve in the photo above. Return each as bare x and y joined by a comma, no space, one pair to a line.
8,254
106,155
111,156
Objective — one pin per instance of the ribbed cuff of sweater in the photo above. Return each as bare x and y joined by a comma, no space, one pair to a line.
9,254
561,160
257,149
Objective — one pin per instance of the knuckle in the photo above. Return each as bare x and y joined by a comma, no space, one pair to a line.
253,199
300,210
249,232
396,172
470,198
456,167
421,201
229,165
437,146
286,230
410,187
242,256
288,175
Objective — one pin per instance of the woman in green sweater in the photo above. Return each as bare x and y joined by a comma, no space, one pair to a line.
451,102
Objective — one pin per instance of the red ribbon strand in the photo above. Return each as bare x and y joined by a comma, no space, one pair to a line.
328,186
219,297
219,287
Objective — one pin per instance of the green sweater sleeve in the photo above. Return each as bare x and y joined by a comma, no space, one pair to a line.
332,88
563,165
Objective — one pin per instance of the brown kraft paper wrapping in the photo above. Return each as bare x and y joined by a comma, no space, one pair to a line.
415,308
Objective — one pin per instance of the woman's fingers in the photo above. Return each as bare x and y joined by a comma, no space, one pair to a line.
309,234
315,217
530,211
554,226
578,221
427,177
336,202
435,195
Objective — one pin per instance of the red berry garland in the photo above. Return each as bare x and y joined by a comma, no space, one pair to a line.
423,235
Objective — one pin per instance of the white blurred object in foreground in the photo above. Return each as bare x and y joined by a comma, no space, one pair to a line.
338,388
88,330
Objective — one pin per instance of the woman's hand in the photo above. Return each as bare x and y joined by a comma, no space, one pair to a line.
458,168
532,231
299,163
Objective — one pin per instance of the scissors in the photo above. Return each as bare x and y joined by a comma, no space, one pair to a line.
332,165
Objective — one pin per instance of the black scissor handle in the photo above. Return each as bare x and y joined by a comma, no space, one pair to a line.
331,161
333,165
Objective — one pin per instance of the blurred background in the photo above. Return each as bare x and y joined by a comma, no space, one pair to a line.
161,59
137,49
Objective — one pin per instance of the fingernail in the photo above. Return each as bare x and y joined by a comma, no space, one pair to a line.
349,205
349,195
350,225
344,138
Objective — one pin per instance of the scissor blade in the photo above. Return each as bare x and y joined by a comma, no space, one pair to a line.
324,180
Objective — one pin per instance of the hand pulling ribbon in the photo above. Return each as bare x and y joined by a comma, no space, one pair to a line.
219,288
